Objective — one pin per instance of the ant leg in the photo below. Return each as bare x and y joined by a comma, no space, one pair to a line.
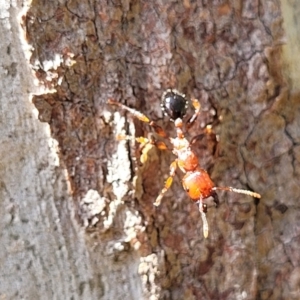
239,191
168,182
141,117
197,137
143,141
197,107
203,210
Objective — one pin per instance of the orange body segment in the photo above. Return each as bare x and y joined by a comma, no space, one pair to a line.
198,184
187,160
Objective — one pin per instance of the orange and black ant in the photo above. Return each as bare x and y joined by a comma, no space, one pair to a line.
196,181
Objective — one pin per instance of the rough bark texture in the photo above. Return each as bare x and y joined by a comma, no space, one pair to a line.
43,254
108,240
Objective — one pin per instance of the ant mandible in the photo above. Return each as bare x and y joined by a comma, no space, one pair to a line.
196,181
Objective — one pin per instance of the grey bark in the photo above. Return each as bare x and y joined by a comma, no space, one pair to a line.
77,219
44,252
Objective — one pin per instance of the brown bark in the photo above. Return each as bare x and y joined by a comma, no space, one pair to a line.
229,55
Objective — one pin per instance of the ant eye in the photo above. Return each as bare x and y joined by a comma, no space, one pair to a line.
174,104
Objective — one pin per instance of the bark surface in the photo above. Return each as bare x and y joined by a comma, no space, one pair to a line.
77,214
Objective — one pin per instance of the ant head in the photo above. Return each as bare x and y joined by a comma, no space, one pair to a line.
174,104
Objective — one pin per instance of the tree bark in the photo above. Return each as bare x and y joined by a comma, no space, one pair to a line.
77,214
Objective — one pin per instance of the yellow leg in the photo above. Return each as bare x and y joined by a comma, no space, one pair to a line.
142,140
168,182
140,116
197,107
239,191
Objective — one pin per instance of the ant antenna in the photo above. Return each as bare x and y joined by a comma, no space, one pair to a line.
239,191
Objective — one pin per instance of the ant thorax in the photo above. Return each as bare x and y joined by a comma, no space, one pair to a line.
179,144
187,160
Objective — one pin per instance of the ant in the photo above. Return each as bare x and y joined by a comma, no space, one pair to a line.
196,181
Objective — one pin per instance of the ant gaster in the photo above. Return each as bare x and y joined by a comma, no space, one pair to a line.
196,181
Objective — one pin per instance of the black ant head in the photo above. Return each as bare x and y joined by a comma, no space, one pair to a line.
174,104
